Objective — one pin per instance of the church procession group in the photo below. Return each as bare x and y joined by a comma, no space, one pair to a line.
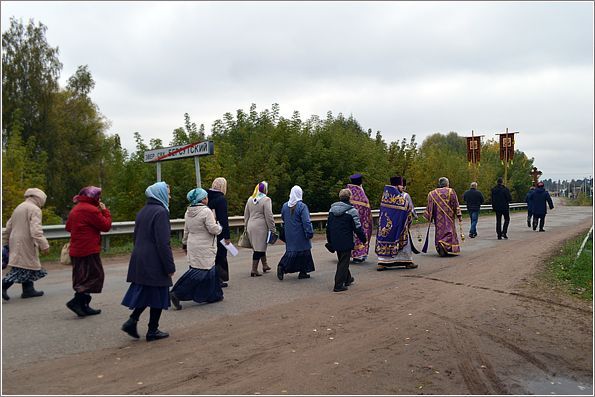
206,240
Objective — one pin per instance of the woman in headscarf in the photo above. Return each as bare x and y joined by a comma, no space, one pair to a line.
258,222
218,204
151,264
298,233
201,282
86,221
24,237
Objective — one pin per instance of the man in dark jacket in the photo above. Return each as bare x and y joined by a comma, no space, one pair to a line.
539,198
218,203
474,199
529,205
343,221
501,198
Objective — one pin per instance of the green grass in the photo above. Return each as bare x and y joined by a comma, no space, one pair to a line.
574,275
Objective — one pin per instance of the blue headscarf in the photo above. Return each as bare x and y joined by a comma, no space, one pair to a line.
158,191
195,196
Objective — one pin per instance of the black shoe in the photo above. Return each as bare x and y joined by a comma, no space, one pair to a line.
5,286
340,288
542,230
280,273
5,295
505,237
154,335
351,281
76,306
528,224
223,285
89,311
535,229
130,328
499,237
29,290
411,266
357,260
175,301
303,275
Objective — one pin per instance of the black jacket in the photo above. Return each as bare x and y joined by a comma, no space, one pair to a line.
500,198
474,199
218,203
539,198
343,221
151,261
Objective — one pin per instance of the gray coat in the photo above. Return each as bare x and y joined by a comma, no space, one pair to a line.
258,220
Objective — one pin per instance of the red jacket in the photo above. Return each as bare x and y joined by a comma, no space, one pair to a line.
85,222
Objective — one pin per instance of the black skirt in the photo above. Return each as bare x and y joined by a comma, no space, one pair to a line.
199,285
87,274
297,261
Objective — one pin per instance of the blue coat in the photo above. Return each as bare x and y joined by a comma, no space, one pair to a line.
529,201
298,227
152,260
539,198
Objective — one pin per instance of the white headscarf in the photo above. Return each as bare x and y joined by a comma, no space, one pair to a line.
295,196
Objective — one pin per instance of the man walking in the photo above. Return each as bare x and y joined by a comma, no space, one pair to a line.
501,199
343,221
529,205
442,209
539,198
360,202
474,199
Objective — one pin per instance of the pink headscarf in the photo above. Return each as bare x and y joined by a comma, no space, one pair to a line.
90,192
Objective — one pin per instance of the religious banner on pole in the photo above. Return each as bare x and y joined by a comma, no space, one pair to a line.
473,149
507,146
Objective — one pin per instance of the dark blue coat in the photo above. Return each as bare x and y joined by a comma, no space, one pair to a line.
474,199
298,227
529,201
152,260
539,198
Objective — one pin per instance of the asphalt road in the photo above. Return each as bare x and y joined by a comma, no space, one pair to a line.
43,328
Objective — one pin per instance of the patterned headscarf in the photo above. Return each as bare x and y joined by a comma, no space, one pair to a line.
220,184
294,196
90,192
159,192
260,191
195,196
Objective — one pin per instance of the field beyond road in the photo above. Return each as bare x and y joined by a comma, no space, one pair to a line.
478,323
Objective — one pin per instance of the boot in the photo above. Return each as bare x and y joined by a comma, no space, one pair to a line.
86,308
254,272
29,290
130,328
5,286
265,266
77,305
155,335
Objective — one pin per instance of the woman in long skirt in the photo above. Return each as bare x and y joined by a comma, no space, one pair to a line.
151,264
259,221
298,234
200,283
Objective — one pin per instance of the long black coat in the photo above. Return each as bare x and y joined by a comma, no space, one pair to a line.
218,203
539,198
152,260
500,198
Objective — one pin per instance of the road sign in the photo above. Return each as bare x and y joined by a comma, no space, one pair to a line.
177,152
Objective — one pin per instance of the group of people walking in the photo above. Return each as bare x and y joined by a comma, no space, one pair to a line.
206,240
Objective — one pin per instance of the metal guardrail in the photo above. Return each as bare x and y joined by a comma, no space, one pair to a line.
55,232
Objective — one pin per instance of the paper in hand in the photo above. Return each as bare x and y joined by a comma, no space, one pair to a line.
230,247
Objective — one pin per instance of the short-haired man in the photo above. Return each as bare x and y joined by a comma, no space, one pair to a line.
474,199
501,199
343,221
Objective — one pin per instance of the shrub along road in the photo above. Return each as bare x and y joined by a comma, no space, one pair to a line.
479,323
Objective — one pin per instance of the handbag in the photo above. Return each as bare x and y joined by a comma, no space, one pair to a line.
65,254
244,241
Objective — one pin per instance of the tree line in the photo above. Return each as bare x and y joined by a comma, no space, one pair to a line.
55,138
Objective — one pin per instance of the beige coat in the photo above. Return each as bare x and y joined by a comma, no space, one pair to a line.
24,235
200,236
258,220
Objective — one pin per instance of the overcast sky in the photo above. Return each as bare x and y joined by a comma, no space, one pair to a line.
399,67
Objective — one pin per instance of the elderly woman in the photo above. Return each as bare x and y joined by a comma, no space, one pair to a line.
151,264
24,236
218,204
258,222
201,282
298,233
86,221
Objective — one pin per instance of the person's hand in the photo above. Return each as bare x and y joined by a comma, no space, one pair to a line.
101,205
45,251
171,274
227,241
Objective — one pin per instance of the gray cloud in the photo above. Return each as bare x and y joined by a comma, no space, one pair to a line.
401,68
